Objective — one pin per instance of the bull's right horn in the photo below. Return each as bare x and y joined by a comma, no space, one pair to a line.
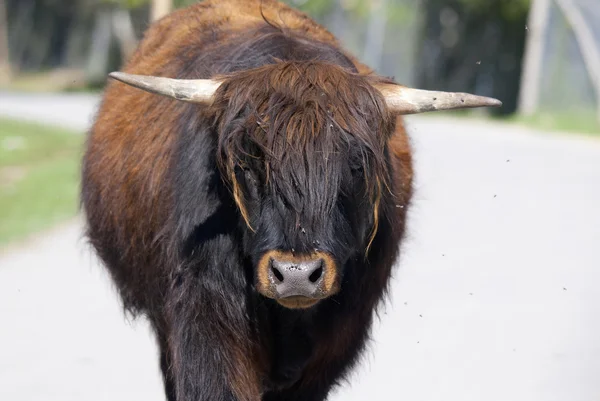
187,90
405,100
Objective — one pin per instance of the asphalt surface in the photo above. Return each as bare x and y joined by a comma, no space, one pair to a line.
75,111
495,297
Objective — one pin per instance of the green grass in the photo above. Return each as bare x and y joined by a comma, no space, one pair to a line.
581,122
39,178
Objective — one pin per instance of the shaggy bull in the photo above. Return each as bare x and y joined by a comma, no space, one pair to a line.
253,212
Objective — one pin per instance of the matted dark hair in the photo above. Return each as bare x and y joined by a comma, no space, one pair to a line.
299,120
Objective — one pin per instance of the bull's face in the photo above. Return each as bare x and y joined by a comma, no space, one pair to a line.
304,219
306,160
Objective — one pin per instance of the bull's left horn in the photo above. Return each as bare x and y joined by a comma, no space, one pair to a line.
187,90
412,101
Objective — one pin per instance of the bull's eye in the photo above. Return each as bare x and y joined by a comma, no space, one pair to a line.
356,164
357,171
251,183
248,181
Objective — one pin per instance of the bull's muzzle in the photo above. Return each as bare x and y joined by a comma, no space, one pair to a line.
297,281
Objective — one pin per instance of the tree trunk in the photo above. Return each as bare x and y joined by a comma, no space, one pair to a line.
533,61
160,8
22,33
337,20
40,48
99,57
124,32
374,43
77,43
587,45
5,70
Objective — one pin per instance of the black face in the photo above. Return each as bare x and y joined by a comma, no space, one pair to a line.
309,215
302,145
304,219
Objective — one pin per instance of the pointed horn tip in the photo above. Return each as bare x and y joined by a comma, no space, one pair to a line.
479,101
118,75
491,102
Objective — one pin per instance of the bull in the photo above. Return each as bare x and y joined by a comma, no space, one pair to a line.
254,210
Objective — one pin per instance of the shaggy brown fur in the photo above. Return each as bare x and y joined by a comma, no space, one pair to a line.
297,154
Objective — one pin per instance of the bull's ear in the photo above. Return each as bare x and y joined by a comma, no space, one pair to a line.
187,90
403,100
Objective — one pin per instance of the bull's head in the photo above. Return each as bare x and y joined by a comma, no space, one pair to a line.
303,147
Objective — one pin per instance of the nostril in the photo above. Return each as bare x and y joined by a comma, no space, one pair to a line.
277,274
316,275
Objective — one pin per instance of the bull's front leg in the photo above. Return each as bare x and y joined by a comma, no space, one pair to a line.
209,343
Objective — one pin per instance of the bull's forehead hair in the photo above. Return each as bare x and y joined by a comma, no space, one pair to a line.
305,122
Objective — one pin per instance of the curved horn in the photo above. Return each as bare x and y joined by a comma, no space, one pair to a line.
412,101
187,90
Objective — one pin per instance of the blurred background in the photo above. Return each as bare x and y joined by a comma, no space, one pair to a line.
483,46
541,58
495,297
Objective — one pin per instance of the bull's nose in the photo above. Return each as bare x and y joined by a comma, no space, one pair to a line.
296,278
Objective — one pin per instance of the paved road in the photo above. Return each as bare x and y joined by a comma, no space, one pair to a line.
496,297
74,111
